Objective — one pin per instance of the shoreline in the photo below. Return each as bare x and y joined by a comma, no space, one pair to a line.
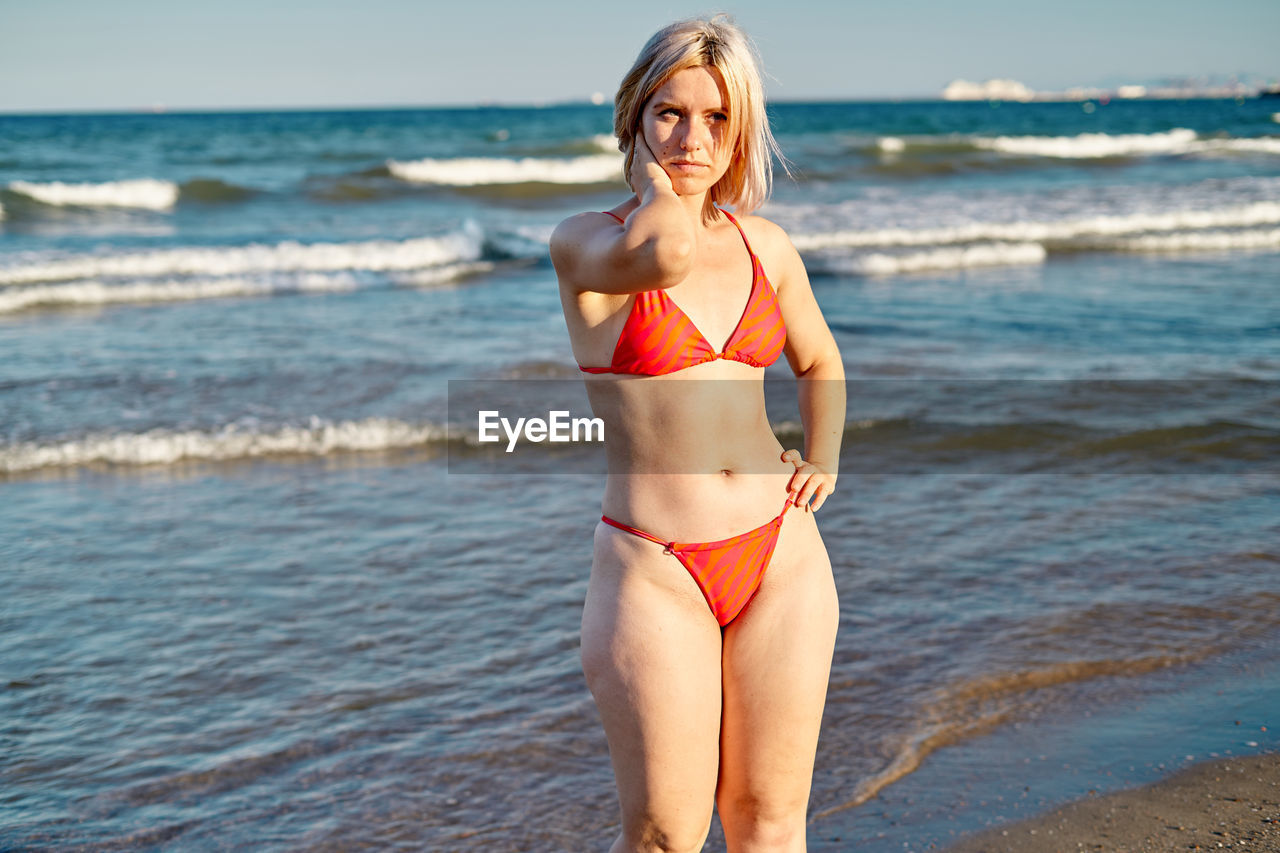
1227,803
1082,746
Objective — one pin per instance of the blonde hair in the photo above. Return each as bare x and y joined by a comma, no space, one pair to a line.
718,43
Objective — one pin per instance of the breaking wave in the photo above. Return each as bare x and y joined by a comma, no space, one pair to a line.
1082,146
486,171
880,251
1063,231
214,191
166,447
1193,241
1093,145
146,193
463,245
978,255
89,293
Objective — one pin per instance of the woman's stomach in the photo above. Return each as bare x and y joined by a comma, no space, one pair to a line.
692,460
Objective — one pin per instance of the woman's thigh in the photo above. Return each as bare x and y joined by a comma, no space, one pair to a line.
651,655
777,660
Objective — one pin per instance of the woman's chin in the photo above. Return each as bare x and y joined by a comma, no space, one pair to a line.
689,185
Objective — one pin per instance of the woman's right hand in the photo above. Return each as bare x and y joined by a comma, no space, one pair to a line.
645,171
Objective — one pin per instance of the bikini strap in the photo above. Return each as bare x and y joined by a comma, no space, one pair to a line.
745,241
614,215
666,546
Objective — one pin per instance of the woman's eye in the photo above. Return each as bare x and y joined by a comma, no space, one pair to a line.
719,116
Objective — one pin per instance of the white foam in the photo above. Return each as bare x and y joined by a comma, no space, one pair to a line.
165,447
521,241
97,293
1092,145
1242,216
1263,144
89,293
1198,241
605,142
441,275
1,211
891,144
485,171
1275,117
980,255
376,255
144,193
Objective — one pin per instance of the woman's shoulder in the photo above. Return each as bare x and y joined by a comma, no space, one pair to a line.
582,224
769,241
577,231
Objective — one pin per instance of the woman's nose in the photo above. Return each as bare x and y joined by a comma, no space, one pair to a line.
690,138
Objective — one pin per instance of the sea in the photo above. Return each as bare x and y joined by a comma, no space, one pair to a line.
263,587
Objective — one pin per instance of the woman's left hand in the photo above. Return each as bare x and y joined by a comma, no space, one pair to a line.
809,482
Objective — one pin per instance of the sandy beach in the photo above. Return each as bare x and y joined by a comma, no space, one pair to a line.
1226,804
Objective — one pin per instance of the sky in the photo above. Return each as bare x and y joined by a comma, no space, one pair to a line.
83,55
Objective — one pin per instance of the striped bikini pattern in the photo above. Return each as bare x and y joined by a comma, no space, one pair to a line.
659,338
728,571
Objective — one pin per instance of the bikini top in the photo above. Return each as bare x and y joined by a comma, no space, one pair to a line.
658,338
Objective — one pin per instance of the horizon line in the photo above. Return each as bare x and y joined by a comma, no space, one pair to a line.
165,109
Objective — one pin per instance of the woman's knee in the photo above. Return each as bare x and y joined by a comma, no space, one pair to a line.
654,834
752,824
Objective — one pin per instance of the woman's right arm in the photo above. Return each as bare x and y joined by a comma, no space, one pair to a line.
653,250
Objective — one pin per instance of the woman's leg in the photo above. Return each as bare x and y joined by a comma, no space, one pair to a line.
651,655
777,659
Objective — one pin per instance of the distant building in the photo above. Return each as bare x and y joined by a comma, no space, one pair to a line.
991,90
1131,92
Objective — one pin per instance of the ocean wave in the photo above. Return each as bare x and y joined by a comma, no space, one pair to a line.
464,245
90,293
1264,144
1158,636
1194,241
442,274
485,171
571,147
1091,146
1059,232
606,142
976,707
146,193
318,437
213,191
981,254
522,241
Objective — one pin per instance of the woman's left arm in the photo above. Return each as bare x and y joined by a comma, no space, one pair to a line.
814,358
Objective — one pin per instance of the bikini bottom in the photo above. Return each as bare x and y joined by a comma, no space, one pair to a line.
728,571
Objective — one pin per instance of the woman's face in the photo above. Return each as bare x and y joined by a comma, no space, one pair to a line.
686,124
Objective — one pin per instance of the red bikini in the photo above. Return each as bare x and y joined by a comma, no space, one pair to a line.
658,338
728,571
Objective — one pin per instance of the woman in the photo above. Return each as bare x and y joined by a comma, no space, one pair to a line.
711,612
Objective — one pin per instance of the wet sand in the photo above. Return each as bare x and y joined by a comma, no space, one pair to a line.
1226,804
